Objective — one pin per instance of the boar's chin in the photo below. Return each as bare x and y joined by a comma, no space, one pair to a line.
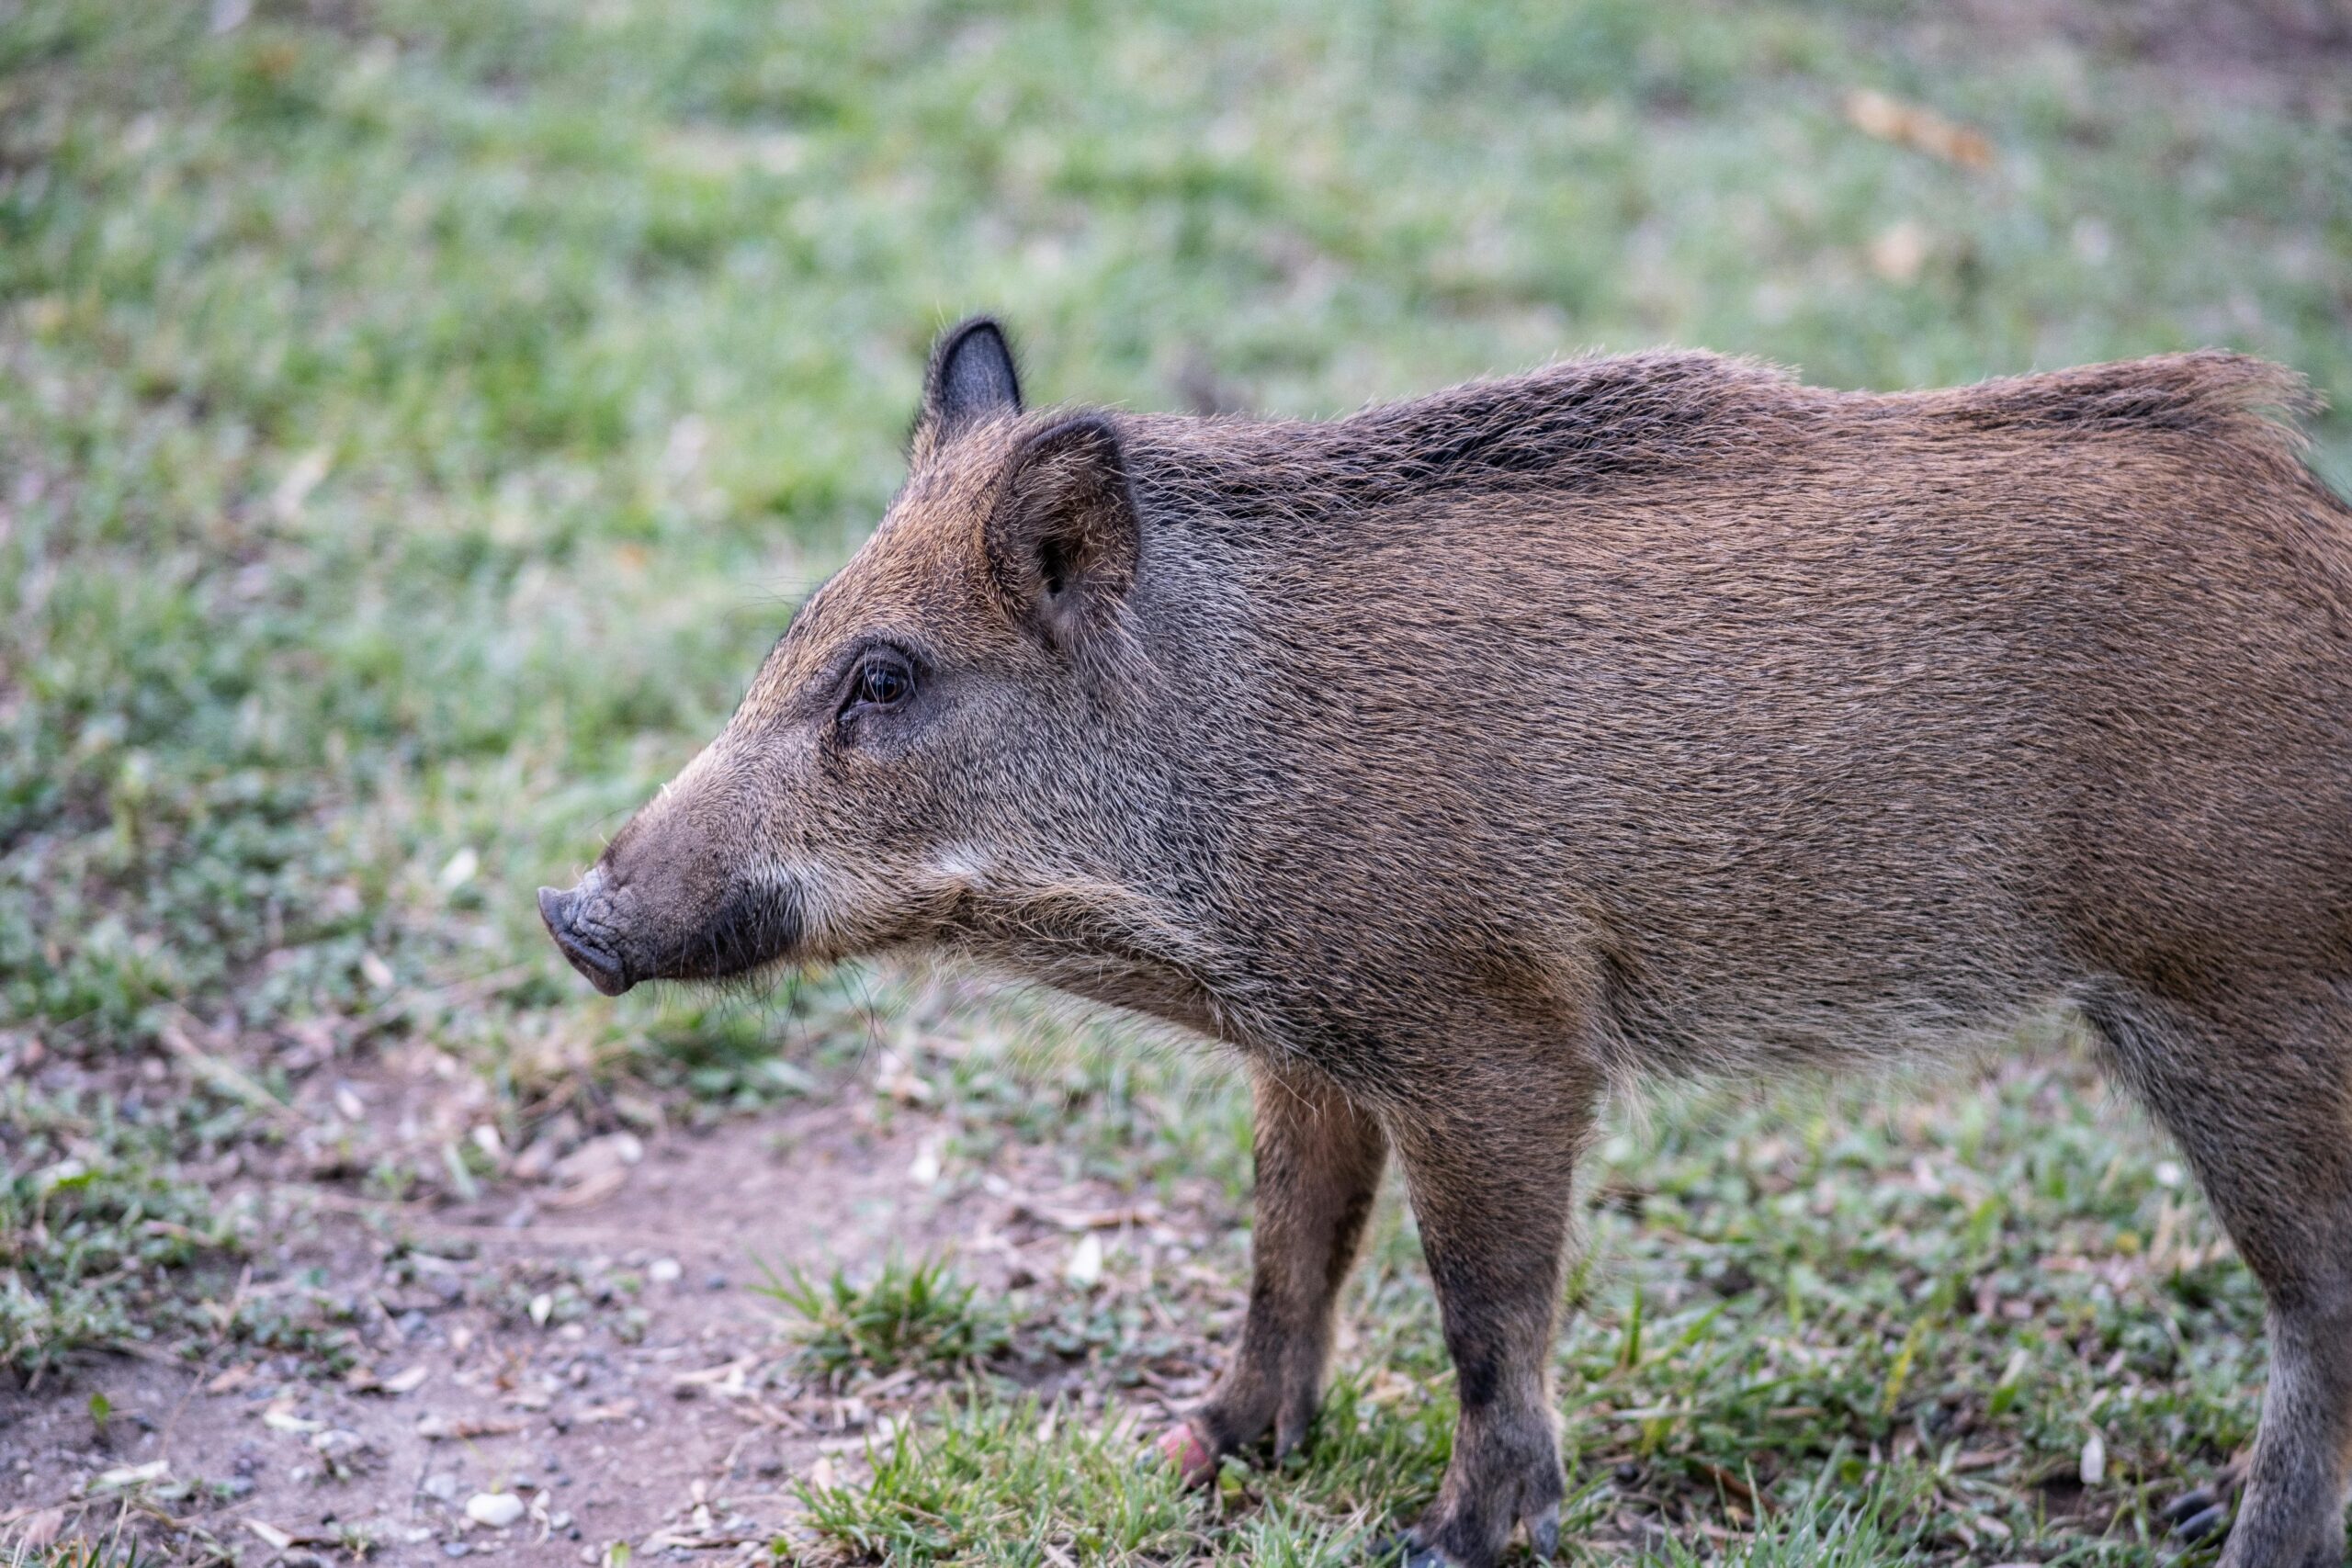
751,929
617,937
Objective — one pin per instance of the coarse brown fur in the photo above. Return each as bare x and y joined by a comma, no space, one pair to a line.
1637,716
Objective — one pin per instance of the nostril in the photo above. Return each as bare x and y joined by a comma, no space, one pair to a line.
588,950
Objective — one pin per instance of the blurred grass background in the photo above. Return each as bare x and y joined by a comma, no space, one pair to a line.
418,416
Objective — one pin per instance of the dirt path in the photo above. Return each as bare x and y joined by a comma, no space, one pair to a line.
590,1355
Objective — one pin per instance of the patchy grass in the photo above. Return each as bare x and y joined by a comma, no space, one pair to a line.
1817,1533
1005,1482
1922,1302
95,1230
81,1554
417,416
909,1315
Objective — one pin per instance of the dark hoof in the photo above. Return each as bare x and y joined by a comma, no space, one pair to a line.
1403,1552
1543,1533
2205,1524
2189,1504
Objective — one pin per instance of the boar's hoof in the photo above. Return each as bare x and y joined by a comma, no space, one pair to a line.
1403,1551
560,910
2202,1513
1543,1533
1183,1448
2210,1522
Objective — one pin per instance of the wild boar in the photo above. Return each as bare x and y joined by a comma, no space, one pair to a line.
1454,760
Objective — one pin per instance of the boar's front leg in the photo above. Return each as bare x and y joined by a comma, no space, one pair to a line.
1490,1160
1319,1161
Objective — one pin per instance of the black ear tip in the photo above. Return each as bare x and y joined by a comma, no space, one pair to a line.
981,332
972,373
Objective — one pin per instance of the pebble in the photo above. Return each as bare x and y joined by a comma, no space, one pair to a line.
663,1270
496,1509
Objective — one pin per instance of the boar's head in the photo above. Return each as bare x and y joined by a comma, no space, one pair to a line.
930,717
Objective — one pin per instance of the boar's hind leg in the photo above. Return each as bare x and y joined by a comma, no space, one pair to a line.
1490,1161
2256,1090
1319,1161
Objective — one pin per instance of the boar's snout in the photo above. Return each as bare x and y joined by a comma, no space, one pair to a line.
579,921
666,903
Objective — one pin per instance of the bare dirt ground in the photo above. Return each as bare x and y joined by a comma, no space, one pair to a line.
586,1337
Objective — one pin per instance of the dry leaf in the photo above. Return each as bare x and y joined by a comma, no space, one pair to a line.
2094,1465
409,1381
133,1476
1924,130
592,1189
1098,1219
599,1154
435,1428
725,1381
924,1169
1084,1268
596,1414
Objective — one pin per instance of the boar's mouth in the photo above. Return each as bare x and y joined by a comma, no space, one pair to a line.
611,938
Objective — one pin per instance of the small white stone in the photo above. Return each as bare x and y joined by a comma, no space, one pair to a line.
496,1509
663,1270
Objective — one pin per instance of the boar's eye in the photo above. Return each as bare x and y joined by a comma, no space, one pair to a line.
881,683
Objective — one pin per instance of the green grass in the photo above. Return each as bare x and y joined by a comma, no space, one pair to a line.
1822,1300
95,1229
1000,1481
417,416
909,1315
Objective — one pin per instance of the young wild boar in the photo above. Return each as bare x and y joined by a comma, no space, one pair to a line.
1456,760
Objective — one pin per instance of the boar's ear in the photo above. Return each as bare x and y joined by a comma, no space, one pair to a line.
971,377
1063,539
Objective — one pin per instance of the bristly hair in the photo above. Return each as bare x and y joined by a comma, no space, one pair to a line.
2209,392
1584,424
